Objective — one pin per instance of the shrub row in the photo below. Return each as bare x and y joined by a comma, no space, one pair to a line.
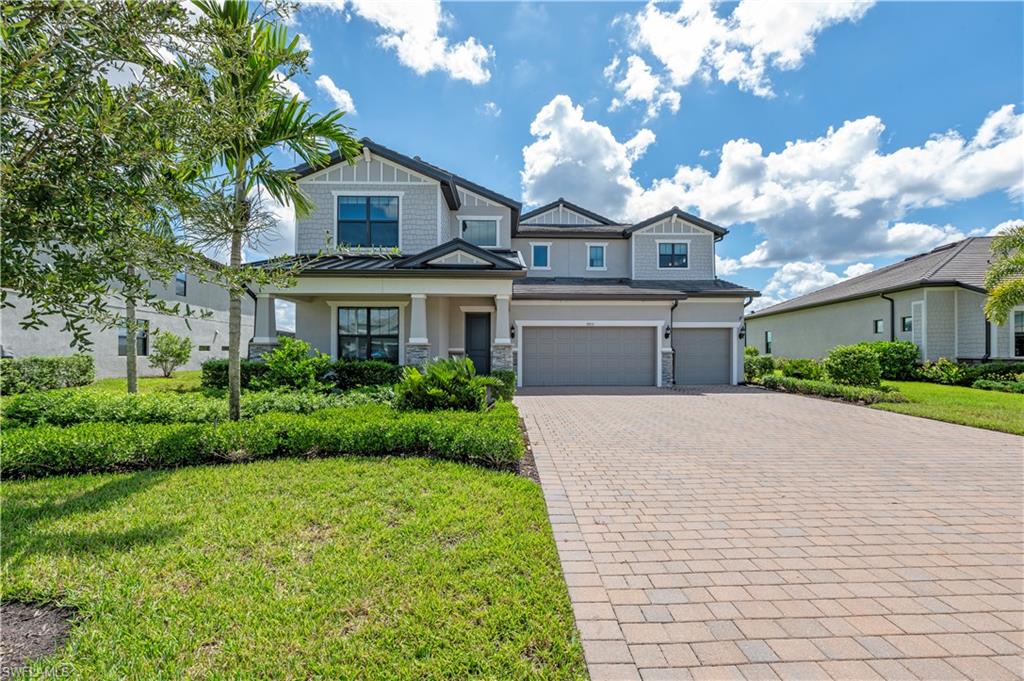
45,373
755,366
897,360
68,407
948,372
848,393
340,375
490,438
1001,386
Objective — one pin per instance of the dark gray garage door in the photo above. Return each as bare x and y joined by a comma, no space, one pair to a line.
702,356
588,355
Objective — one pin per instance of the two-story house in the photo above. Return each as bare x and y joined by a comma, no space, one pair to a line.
208,328
423,263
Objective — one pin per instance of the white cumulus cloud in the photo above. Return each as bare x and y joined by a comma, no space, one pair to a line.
412,28
1004,226
835,198
639,84
800,278
288,86
341,97
491,109
694,41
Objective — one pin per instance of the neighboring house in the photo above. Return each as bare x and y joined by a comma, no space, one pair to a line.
209,336
935,299
422,263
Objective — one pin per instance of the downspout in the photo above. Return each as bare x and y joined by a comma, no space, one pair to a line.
671,321
892,316
988,340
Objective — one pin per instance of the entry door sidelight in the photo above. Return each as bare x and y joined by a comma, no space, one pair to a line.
478,340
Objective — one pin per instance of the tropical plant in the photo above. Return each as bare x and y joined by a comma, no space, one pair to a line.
1004,280
169,352
442,384
250,55
294,365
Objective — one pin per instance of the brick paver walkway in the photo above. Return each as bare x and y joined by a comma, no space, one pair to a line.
742,534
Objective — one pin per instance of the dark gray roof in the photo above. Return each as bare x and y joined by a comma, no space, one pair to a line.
450,182
675,210
579,288
958,264
566,231
600,219
502,262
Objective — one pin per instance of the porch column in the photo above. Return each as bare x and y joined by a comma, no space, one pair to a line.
265,333
417,348
501,348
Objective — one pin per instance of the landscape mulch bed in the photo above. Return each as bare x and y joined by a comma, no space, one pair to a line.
527,466
30,632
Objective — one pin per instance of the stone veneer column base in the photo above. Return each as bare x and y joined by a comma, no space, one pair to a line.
417,354
256,350
667,379
501,357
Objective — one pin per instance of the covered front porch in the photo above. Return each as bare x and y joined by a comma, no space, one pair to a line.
402,320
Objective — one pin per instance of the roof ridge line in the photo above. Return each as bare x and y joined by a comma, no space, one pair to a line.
953,252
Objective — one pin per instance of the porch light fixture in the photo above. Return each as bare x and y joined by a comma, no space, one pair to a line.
668,332
511,331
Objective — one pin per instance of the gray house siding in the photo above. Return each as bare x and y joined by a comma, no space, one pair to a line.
941,324
212,332
568,257
971,324
701,250
418,214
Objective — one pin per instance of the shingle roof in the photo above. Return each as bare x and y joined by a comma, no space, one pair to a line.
962,264
579,288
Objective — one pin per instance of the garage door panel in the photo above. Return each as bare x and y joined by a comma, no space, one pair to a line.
703,356
588,355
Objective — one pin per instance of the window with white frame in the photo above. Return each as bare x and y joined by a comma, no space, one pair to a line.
540,256
481,232
879,326
596,257
908,324
1018,333
673,254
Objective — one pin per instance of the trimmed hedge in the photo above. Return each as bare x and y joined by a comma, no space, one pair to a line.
68,407
848,393
897,359
506,378
755,366
340,375
853,365
215,372
490,438
1000,386
801,368
45,373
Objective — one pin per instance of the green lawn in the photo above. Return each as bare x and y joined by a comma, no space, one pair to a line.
182,381
333,568
968,406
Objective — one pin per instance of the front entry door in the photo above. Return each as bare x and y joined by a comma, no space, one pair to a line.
478,340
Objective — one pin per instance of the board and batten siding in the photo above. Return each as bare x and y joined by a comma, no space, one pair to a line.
560,215
701,251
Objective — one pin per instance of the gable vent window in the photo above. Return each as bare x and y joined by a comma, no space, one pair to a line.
368,221
673,254
481,232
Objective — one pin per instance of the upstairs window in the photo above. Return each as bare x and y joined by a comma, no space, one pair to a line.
907,324
673,254
595,257
540,256
180,284
879,326
767,342
141,340
368,221
481,232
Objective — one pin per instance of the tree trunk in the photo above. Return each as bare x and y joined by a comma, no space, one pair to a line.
131,341
235,310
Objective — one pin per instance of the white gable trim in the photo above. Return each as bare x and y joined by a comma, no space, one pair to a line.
376,170
560,215
473,200
458,257
673,225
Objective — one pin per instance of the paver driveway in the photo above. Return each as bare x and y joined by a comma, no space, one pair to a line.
753,535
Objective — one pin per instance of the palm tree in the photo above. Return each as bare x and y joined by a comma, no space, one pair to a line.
1005,277
249,56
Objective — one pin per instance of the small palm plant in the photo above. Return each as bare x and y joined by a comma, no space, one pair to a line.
1005,277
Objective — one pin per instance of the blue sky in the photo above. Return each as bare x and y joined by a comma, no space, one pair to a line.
910,115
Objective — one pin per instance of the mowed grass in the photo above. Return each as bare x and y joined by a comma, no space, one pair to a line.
181,381
968,406
335,568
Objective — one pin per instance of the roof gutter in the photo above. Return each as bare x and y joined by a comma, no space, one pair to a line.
892,316
861,296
